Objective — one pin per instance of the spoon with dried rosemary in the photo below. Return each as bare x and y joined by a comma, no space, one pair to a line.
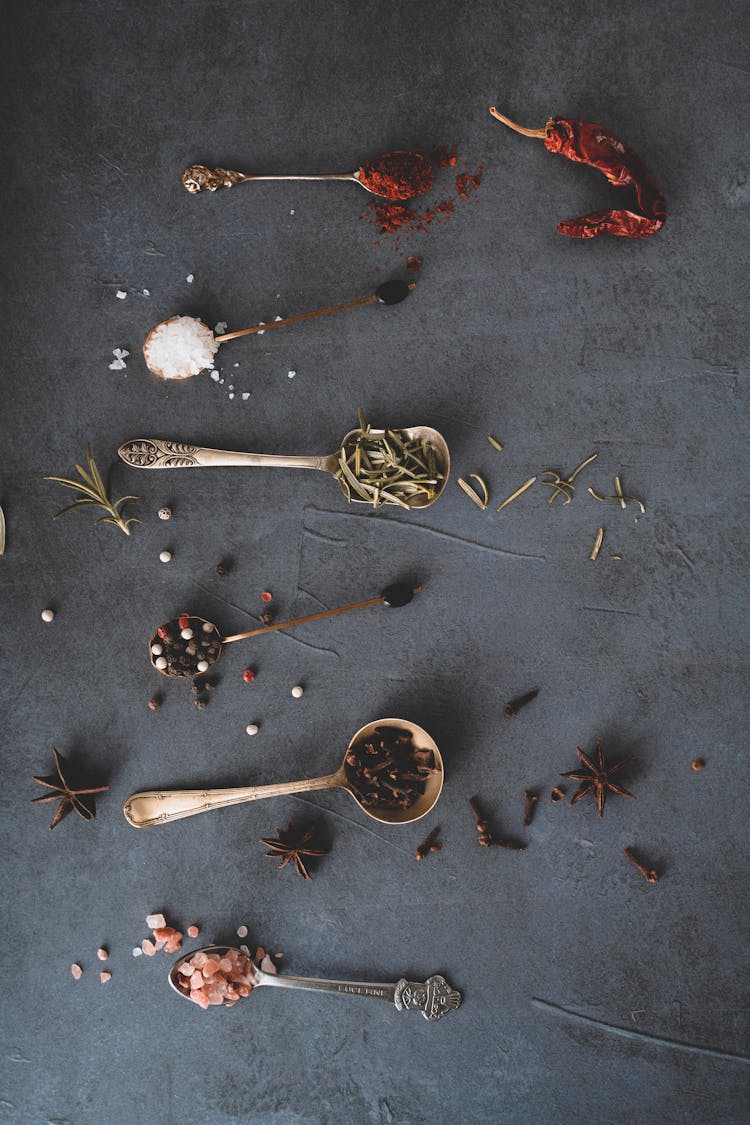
407,468
406,765
189,645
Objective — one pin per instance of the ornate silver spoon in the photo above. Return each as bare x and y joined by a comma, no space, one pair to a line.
433,998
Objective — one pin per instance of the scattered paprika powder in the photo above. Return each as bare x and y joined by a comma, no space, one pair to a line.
587,143
397,175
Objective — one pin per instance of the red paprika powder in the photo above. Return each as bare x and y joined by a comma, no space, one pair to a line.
397,175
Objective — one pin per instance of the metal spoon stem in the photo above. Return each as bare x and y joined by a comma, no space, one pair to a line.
300,316
310,617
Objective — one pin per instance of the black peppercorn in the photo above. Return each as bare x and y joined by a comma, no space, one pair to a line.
155,703
222,569
201,704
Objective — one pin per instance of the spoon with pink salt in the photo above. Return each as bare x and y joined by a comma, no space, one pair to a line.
184,346
221,975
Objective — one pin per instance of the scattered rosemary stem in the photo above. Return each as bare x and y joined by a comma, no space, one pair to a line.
386,467
2,532
594,555
514,495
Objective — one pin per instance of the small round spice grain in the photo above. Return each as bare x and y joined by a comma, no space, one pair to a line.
193,931
698,764
252,728
165,513
154,703
248,675
48,615
298,691
266,596
165,556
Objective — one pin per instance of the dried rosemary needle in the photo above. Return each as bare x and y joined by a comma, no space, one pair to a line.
514,495
480,501
594,554
494,443
388,467
92,491
2,532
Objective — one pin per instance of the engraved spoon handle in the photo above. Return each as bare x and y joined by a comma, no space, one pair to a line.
198,178
161,453
433,998
162,806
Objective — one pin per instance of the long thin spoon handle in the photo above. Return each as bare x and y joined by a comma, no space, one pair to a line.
302,620
433,998
162,806
198,178
163,453
296,319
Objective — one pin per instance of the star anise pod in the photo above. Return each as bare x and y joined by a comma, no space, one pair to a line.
596,778
292,844
79,799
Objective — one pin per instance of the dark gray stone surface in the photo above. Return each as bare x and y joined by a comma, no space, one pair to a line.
636,350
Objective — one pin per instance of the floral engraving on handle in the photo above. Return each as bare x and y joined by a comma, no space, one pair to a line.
156,453
434,998
199,178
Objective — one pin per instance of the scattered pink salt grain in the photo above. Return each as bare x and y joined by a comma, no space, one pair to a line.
148,947
192,931
104,977
155,921
267,965
102,954
76,970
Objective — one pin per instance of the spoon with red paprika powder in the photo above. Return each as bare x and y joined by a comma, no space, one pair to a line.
393,175
587,143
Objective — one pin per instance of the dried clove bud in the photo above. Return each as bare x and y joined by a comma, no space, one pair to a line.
530,800
428,845
514,706
557,794
648,873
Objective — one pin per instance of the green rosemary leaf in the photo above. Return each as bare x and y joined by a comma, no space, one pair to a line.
94,471
72,507
91,490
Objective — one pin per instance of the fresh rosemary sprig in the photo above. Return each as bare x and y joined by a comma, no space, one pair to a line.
93,491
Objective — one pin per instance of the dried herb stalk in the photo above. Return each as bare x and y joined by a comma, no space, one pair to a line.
494,443
2,532
387,467
480,501
594,553
92,491
514,495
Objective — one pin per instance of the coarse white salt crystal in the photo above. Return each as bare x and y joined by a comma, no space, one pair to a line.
260,332
190,278
291,212
221,382
137,951
155,921
231,394
117,365
244,950
121,294
180,347
146,292
278,318
291,374
242,931
215,376
120,353
220,326
237,364
231,388
245,396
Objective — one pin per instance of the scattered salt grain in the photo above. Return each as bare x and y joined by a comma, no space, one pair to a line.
291,374
165,513
148,947
193,931
220,327
137,951
155,921
260,332
121,294
118,363
237,364
245,396
267,965
231,394
180,347
231,387
102,954
278,318
190,278
215,376
242,931
291,212
104,977
146,292
76,970
245,950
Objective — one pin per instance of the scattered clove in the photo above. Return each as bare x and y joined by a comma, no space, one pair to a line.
485,838
557,794
648,873
530,800
428,845
514,706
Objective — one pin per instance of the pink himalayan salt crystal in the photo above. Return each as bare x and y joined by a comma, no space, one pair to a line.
193,931
267,964
104,977
180,347
155,921
212,980
76,970
102,954
148,947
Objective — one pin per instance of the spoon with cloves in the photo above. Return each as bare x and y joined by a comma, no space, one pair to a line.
189,645
407,468
406,782
221,975
183,346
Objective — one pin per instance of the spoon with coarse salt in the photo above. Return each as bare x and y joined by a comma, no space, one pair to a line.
221,975
184,346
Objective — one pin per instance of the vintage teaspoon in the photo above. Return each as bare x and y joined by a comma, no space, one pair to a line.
163,453
162,806
198,344
189,645
433,998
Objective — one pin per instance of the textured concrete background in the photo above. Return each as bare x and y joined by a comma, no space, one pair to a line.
558,348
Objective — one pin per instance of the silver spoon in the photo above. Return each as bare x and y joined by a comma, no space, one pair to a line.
162,806
163,453
198,178
433,998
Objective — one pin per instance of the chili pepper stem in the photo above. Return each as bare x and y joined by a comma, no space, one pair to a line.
540,133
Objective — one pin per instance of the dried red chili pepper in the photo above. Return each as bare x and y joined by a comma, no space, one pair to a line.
588,143
398,175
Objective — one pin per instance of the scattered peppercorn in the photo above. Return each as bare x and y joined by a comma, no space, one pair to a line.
252,728
196,688
266,596
154,703
201,704
208,685
165,513
48,615
221,569
248,675
266,618
165,556
698,764
298,691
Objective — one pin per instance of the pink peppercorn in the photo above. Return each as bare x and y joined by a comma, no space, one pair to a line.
248,675
266,596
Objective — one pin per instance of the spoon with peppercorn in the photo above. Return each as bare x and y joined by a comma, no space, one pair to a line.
189,645
183,346
392,768
406,468
221,975
394,175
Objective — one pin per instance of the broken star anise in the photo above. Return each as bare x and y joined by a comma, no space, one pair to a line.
596,778
69,797
292,844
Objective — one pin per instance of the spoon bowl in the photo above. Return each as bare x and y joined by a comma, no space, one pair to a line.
153,807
